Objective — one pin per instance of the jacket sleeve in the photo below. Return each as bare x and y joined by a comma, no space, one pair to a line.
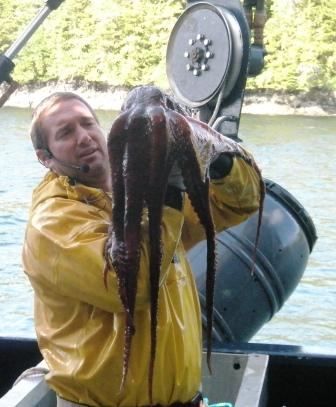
233,199
64,246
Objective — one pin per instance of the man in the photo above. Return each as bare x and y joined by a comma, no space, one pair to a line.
80,324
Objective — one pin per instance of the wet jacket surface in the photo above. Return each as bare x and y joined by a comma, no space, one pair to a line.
80,324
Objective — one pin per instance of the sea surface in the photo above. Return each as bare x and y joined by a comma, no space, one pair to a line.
297,152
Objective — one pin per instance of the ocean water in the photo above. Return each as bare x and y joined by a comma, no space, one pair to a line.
296,152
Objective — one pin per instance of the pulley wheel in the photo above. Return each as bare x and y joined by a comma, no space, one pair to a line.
204,53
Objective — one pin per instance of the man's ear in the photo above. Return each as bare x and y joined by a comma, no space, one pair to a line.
44,156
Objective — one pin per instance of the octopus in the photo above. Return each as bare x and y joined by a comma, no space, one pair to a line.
152,136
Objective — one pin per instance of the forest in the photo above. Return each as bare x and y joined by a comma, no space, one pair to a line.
117,43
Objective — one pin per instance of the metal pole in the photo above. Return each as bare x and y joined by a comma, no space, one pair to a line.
16,47
6,64
43,13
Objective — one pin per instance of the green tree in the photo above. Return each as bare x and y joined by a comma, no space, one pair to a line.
299,41
13,18
133,37
123,43
74,35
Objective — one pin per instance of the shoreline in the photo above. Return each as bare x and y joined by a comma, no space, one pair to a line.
265,103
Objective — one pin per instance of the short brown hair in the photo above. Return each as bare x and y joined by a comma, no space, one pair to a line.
36,132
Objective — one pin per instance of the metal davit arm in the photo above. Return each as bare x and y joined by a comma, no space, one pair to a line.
6,63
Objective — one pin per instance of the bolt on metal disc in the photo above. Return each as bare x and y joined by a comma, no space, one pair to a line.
199,54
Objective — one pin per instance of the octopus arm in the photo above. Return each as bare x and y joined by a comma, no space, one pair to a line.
232,198
197,186
205,135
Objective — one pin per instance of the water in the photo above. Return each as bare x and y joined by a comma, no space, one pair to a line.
299,154
296,152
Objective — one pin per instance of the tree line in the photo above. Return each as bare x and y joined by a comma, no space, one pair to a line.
123,43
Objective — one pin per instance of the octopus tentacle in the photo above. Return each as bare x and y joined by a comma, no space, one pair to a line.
198,192
134,201
260,212
161,164
115,248
233,149
116,147
129,193
201,206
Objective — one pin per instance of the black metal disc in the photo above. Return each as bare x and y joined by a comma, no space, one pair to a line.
199,54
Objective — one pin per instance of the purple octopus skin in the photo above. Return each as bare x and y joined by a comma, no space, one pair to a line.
152,133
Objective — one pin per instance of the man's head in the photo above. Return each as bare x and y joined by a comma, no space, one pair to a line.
65,132
37,133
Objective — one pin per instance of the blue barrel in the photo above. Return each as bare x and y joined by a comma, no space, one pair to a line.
243,302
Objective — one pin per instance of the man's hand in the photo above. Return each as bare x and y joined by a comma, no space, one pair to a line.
221,166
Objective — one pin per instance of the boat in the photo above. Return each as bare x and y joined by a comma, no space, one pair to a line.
244,374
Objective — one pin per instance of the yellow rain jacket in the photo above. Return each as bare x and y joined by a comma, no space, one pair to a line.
80,324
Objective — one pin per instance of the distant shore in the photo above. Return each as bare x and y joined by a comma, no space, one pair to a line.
265,103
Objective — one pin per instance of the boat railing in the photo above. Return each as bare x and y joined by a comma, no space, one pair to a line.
237,380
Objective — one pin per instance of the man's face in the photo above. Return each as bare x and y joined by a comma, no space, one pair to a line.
74,137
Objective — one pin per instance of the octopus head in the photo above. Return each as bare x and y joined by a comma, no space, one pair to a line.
149,96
